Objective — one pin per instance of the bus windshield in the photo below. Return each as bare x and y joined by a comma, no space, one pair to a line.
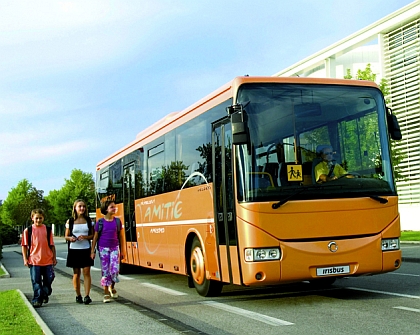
313,142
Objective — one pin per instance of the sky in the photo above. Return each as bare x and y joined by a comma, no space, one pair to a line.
79,79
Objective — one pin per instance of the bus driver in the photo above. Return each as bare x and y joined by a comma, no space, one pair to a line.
327,170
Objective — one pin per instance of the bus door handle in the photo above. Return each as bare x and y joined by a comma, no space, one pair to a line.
229,216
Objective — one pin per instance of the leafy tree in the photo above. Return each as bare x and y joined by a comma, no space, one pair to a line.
396,155
21,200
80,186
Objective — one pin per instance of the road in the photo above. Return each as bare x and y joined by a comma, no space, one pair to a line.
382,304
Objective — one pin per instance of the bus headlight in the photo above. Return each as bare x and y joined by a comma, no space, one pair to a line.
390,244
262,254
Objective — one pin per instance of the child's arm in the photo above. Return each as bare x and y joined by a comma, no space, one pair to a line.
92,251
24,253
120,241
67,236
54,255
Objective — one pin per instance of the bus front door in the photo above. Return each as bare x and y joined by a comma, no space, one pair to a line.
132,255
224,204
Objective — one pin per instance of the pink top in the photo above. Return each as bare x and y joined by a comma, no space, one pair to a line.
40,253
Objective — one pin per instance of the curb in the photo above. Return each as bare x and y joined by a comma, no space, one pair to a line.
45,329
6,274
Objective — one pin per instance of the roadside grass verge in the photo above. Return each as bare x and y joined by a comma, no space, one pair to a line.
410,235
15,316
2,272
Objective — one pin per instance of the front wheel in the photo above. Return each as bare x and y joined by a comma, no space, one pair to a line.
205,287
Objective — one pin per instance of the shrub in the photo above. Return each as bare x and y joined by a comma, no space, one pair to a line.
8,234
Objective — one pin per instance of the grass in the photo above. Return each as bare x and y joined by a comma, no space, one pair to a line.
410,235
2,272
15,316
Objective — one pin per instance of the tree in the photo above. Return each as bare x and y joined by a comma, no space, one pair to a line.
396,155
21,200
80,186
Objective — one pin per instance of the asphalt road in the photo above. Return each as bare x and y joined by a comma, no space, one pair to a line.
160,303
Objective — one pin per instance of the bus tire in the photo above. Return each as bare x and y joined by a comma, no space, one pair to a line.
205,287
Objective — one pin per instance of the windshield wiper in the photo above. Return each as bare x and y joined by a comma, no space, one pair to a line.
282,202
379,199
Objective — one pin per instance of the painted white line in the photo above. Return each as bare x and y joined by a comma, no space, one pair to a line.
243,312
384,292
61,259
403,274
408,309
163,289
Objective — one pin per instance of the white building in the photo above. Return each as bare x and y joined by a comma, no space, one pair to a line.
392,47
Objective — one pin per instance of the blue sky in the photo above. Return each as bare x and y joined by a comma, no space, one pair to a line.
80,79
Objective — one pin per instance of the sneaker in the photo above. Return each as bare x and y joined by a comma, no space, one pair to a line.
79,299
45,301
37,304
107,298
87,300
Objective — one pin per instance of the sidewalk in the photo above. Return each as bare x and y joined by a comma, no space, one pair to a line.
410,251
62,315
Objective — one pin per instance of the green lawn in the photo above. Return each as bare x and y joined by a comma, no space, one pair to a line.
15,315
1,271
410,235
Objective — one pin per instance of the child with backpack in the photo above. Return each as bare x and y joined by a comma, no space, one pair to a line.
108,236
39,255
79,232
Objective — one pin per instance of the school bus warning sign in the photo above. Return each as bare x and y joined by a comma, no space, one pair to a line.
294,172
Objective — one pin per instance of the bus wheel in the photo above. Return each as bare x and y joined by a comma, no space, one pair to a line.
323,282
204,286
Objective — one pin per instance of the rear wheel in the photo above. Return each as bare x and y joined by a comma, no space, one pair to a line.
204,286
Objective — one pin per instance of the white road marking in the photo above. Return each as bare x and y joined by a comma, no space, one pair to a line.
403,274
384,292
61,259
163,289
243,312
408,309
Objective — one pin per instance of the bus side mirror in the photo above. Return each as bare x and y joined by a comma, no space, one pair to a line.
393,126
239,123
240,133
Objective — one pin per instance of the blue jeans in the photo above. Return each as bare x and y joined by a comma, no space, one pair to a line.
42,278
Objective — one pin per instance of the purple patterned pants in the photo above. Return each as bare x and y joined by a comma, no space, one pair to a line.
110,263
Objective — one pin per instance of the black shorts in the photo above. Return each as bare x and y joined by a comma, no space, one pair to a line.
79,258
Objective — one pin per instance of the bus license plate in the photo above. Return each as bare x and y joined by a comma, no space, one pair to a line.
333,270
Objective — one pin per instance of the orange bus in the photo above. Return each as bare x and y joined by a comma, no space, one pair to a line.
226,191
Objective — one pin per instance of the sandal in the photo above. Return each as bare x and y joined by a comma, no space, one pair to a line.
113,292
107,298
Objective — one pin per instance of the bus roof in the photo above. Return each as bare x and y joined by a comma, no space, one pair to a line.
220,95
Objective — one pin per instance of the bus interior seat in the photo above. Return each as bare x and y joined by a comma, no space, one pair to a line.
273,169
282,179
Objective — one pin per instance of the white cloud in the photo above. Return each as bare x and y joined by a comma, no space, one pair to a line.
34,153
